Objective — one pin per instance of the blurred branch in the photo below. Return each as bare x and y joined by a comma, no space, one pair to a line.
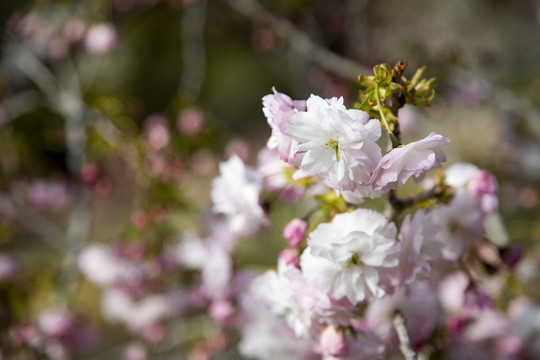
20,103
300,42
78,228
36,223
193,51
504,98
403,335
29,64
67,101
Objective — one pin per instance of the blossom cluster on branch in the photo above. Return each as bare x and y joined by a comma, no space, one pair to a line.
349,270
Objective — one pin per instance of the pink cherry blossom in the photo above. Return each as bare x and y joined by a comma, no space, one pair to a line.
278,108
418,245
411,160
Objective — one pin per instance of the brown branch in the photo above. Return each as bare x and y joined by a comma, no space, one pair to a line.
398,205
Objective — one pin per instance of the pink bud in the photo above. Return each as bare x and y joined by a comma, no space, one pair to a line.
191,122
476,300
511,255
221,311
289,257
135,351
332,342
294,232
456,325
483,182
9,268
89,174
157,132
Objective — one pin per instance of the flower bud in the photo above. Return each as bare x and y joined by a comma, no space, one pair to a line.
157,132
289,257
482,183
332,342
476,300
191,122
511,255
457,325
294,232
9,268
221,311
89,174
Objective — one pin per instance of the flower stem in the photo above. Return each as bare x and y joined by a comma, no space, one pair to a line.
395,141
368,96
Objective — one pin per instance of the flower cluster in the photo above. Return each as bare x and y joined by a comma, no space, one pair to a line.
348,269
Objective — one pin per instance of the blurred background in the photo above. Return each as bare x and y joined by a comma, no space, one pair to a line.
115,113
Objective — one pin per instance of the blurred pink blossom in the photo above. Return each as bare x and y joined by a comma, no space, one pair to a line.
135,351
238,147
157,133
101,39
9,268
48,194
191,121
332,342
222,311
75,29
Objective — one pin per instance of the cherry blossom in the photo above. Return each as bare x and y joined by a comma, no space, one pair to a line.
235,193
411,160
278,108
418,245
344,257
338,144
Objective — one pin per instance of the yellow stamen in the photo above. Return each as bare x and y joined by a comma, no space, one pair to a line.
331,143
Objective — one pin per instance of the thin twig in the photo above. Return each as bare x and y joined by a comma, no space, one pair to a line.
300,42
400,204
399,323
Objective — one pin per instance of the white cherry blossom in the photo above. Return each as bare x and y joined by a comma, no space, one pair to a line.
235,193
344,257
338,144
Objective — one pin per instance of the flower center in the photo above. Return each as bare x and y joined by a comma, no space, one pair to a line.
333,144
